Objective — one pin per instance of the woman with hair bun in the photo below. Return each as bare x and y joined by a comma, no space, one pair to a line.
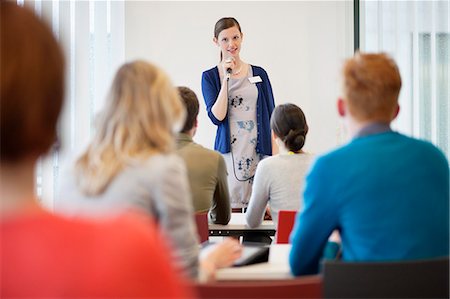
279,179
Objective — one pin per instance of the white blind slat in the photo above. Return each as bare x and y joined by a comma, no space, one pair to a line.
93,50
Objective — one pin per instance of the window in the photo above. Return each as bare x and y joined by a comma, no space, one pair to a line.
92,36
416,34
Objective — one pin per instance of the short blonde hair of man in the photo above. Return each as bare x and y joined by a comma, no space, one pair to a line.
371,85
138,120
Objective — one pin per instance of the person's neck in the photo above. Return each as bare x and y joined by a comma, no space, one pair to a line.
17,187
354,126
282,150
238,60
190,132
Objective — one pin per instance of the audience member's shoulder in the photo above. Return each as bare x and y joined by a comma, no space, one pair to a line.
425,148
281,160
307,158
332,154
161,161
268,161
132,219
205,152
107,226
132,232
134,226
154,170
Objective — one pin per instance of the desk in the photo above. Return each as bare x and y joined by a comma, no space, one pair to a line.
276,269
238,226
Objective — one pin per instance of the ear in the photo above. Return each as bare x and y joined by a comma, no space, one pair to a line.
396,112
216,41
242,37
196,123
341,107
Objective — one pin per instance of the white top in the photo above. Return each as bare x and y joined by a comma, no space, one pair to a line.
279,182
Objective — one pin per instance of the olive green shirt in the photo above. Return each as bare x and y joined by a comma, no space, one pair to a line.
207,175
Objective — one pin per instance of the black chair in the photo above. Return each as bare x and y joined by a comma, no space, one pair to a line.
405,279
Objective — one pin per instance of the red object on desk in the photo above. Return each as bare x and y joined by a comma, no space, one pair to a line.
201,219
286,220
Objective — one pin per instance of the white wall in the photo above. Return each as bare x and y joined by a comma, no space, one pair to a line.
300,44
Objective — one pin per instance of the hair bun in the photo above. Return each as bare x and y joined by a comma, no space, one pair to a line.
295,140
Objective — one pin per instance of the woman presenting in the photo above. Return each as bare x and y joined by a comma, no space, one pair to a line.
239,101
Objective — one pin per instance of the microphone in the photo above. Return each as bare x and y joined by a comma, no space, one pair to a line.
229,70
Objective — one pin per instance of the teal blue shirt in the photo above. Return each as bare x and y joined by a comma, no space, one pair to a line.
387,194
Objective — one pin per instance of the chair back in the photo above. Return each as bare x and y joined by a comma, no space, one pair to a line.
286,220
405,279
201,220
305,287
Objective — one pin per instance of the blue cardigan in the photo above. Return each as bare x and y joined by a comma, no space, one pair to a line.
265,104
387,194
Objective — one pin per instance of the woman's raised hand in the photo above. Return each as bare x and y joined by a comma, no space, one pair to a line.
228,63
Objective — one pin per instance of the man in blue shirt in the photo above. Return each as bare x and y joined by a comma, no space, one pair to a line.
386,193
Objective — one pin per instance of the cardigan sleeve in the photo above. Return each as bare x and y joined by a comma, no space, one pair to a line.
271,100
210,94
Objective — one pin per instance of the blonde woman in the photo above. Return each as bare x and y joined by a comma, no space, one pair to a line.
129,162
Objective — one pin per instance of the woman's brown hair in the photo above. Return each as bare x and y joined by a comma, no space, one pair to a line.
32,83
288,122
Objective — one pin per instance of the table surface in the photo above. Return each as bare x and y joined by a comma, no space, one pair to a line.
276,268
238,222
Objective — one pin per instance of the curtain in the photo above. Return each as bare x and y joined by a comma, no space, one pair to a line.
417,35
91,34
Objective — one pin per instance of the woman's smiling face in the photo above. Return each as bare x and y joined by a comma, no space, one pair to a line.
229,41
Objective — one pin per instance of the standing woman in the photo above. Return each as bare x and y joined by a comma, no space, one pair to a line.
239,101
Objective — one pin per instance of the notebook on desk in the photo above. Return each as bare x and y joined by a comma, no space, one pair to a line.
251,253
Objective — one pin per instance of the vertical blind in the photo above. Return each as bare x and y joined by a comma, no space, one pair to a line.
417,35
92,36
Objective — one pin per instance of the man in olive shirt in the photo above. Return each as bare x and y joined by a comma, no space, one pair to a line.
206,168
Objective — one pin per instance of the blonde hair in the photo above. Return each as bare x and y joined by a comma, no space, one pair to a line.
372,84
137,121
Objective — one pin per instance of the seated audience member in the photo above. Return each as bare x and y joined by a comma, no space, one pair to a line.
387,193
206,168
279,179
130,163
44,255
